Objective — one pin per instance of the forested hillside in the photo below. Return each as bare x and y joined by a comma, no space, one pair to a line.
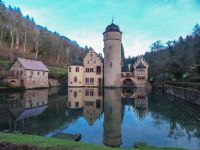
20,36
178,59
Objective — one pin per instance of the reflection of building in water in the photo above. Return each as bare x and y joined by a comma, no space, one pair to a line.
141,104
75,98
137,97
28,104
90,99
92,104
127,93
112,117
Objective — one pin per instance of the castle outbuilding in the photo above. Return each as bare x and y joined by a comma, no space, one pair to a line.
28,74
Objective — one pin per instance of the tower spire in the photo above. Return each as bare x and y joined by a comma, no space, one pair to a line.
112,19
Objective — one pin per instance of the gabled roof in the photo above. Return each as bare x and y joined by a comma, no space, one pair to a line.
76,62
32,64
140,65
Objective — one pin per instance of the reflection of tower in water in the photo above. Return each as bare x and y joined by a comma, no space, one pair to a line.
112,117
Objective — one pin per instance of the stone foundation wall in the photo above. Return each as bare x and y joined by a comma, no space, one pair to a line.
191,96
54,83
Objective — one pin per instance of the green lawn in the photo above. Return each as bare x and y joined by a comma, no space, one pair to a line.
57,73
39,141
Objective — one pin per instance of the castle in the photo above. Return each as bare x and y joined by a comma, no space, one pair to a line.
94,71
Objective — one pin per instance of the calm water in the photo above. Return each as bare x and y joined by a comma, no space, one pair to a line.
121,117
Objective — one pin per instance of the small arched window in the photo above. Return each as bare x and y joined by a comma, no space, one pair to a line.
75,94
75,79
110,64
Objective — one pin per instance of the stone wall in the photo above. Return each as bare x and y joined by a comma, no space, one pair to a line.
75,71
189,95
54,83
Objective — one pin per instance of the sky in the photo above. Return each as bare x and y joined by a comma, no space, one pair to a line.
141,21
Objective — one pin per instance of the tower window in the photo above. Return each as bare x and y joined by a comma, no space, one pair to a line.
77,69
75,94
75,79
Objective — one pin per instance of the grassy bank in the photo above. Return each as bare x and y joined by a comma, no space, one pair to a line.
5,64
43,142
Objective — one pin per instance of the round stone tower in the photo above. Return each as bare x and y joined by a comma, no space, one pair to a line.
112,56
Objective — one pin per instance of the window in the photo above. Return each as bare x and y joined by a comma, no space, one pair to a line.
94,61
75,79
110,47
87,93
43,73
91,70
91,80
86,80
76,104
38,73
75,94
21,72
110,64
91,54
87,69
87,103
88,62
69,69
31,72
91,93
100,81
69,104
98,69
77,69
99,92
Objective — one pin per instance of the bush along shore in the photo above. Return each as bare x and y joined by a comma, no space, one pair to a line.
33,142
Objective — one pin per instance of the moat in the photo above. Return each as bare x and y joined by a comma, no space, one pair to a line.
113,117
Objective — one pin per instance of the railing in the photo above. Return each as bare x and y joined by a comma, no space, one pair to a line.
190,85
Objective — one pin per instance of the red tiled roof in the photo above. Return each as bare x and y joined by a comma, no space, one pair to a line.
32,64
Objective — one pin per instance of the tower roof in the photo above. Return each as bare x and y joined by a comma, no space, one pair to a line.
112,28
